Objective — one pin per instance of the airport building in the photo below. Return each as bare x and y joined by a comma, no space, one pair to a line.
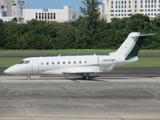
126,8
102,10
59,15
12,8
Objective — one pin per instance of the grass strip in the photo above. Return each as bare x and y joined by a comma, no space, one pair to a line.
142,62
68,51
7,62
145,62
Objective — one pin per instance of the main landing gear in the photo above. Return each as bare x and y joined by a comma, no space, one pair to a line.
86,76
28,77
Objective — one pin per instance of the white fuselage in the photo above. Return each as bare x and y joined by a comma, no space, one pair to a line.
67,65
84,65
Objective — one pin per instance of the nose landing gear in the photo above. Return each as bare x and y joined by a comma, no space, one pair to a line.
28,77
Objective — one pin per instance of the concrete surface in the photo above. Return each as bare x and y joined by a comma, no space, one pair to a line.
57,98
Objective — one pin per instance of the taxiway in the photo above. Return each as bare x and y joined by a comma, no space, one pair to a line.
103,98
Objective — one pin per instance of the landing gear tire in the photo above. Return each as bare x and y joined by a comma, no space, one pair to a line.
28,78
86,76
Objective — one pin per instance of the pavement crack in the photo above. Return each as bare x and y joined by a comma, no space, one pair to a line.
108,112
154,92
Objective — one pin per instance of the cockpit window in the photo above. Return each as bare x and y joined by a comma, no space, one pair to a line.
21,62
27,62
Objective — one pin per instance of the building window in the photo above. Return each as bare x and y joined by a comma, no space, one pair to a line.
111,14
135,2
39,15
51,16
42,15
111,10
112,2
45,15
48,15
54,15
36,15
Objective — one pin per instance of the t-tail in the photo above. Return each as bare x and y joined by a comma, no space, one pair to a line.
131,46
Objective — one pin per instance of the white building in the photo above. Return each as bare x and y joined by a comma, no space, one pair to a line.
102,10
17,7
125,8
12,8
59,15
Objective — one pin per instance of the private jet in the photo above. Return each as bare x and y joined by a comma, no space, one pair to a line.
83,65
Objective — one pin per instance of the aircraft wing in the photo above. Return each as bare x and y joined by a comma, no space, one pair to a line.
79,70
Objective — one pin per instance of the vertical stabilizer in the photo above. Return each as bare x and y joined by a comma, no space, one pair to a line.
131,45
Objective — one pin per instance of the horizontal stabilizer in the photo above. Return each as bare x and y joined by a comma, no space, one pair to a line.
143,35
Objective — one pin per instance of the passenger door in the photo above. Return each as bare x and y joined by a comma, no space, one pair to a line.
35,66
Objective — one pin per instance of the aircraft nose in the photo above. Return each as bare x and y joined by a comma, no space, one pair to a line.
12,70
8,71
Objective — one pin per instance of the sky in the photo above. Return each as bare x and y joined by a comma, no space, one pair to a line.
54,4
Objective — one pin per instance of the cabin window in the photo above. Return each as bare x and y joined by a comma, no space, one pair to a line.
85,62
41,63
21,62
80,62
69,62
63,62
58,63
52,63
74,62
47,63
27,62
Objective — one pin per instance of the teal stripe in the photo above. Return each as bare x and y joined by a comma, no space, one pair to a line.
131,48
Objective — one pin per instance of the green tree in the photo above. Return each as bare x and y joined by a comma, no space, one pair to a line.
90,13
2,36
15,20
